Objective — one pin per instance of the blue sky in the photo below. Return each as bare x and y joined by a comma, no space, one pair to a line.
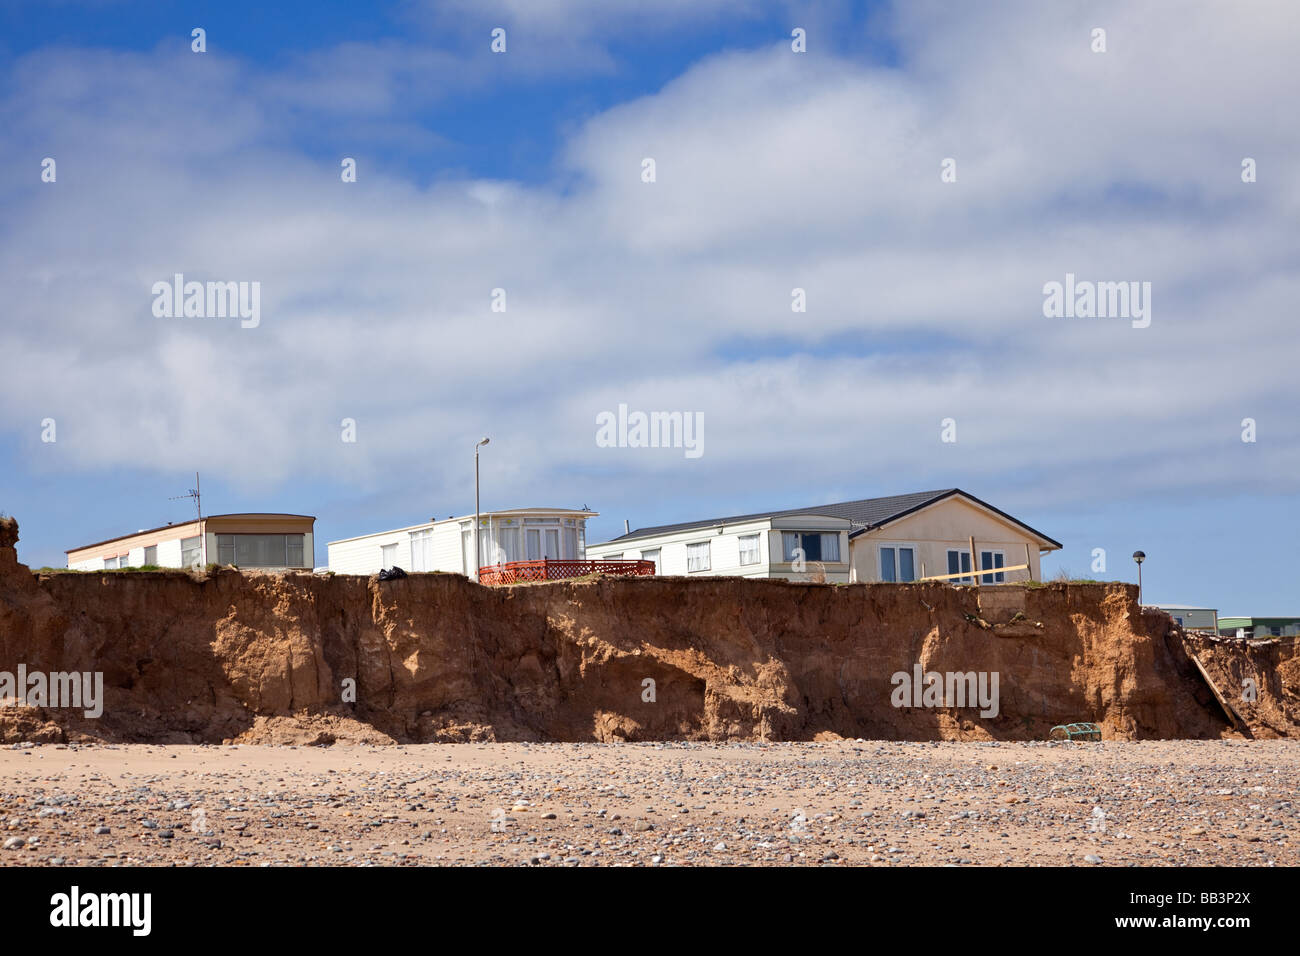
775,170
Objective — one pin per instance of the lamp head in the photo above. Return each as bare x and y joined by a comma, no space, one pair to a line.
1139,556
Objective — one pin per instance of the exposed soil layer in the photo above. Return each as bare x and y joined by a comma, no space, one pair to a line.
302,658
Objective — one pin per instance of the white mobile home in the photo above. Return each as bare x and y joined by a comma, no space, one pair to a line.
897,538
522,534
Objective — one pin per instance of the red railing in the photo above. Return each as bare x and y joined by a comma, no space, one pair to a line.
558,569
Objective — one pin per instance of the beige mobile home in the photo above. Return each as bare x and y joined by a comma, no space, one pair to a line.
273,541
897,538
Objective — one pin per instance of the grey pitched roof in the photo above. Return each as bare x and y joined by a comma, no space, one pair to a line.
866,513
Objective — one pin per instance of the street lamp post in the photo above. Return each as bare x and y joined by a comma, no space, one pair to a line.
476,547
1139,557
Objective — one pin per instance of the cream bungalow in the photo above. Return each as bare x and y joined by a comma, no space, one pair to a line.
898,538
522,534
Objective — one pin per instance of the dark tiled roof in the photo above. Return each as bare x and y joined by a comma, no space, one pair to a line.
866,513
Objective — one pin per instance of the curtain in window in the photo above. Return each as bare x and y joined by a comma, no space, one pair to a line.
830,547
749,549
789,541
508,542
421,550
697,556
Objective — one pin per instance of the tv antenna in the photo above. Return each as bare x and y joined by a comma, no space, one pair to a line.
195,493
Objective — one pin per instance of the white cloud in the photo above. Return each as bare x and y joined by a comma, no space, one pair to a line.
774,171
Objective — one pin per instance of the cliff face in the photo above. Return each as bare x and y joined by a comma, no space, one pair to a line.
267,657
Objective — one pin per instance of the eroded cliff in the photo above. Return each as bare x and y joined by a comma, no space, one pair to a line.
224,655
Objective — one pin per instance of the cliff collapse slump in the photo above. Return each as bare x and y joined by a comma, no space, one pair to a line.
257,657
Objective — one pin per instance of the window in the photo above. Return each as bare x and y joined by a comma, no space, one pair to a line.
260,550
110,563
507,548
816,546
749,549
697,556
613,557
151,554
652,555
192,552
959,563
422,550
897,563
992,559
387,555
570,542
123,560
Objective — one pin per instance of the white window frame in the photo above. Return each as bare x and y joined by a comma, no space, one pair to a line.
968,577
657,559
999,577
897,546
756,552
708,555
384,550
799,536
196,549
417,539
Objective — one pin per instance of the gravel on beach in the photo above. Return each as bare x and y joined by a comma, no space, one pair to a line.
876,803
